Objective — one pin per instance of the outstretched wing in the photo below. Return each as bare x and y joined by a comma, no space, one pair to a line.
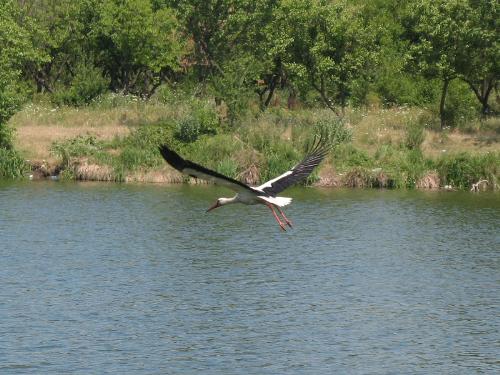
317,153
198,171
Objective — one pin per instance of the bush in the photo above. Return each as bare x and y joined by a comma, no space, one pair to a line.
5,136
12,165
334,131
228,167
415,136
461,106
350,156
201,121
140,149
462,170
76,147
87,84
211,151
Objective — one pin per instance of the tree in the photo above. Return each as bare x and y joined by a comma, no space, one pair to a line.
15,51
455,39
324,44
55,28
137,46
482,50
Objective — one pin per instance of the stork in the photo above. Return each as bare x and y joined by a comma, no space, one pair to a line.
263,194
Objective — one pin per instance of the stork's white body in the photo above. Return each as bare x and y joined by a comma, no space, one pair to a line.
250,198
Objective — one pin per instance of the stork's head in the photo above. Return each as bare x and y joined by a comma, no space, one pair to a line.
215,205
221,202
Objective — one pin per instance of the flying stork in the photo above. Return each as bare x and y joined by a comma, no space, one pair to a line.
263,194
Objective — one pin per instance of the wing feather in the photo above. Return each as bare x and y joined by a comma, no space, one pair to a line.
198,171
299,172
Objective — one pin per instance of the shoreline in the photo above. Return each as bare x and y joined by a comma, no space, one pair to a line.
168,176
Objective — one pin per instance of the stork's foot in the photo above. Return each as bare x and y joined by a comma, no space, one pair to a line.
282,226
288,222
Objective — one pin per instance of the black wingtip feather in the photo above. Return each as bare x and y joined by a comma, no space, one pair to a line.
172,158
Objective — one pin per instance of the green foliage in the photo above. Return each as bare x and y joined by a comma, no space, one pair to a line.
6,137
455,39
76,147
87,84
324,44
138,44
231,85
15,51
334,131
415,136
12,165
58,30
462,170
202,120
140,148
280,157
346,155
210,151
228,167
461,105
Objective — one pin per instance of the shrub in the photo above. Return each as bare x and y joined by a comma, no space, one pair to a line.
415,136
12,165
5,136
462,170
278,159
202,120
140,148
348,155
76,147
334,131
228,167
150,136
461,105
87,84
210,151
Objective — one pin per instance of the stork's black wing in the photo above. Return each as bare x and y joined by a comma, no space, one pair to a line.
198,171
314,157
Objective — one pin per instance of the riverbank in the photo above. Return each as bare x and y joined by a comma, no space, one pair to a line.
116,141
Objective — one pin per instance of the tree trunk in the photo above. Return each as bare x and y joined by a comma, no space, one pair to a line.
321,90
272,87
446,83
482,93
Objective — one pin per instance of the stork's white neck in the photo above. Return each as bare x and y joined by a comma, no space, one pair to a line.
224,201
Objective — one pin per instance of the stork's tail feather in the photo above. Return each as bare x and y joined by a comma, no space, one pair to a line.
278,201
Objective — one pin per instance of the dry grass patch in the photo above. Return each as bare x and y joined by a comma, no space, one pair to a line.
430,181
328,177
439,143
86,171
35,141
163,175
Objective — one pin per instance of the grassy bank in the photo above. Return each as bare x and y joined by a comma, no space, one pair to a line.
116,140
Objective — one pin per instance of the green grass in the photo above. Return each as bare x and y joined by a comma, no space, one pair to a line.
12,165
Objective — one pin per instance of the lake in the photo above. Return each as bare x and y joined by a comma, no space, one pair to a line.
138,279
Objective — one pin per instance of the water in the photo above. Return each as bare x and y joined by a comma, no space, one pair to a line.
131,279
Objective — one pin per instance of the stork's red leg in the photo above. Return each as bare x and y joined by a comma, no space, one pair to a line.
276,217
289,223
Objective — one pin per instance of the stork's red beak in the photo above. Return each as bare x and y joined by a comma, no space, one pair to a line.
214,206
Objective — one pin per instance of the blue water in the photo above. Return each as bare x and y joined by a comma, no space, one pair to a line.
136,279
